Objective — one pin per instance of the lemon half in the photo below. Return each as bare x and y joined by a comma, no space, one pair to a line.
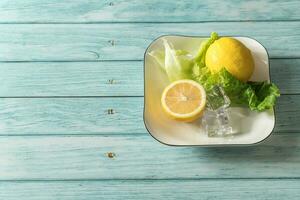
184,100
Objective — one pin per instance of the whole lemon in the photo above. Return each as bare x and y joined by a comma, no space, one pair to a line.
233,55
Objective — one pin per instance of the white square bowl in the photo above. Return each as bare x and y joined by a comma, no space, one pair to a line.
251,127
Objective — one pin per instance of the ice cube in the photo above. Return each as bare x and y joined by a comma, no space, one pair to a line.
216,117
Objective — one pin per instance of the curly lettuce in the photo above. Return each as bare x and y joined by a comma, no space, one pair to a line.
258,96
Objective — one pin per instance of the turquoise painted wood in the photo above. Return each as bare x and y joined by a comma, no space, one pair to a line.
141,157
152,189
128,41
68,11
102,116
108,78
71,116
71,102
72,79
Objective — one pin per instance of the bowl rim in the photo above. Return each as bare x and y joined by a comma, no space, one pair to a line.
205,145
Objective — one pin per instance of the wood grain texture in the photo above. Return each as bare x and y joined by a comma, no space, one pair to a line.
81,42
152,189
118,78
71,79
286,74
53,11
101,116
86,157
71,116
97,148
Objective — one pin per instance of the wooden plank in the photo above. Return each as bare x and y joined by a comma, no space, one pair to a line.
286,74
105,78
101,116
151,189
54,11
71,116
132,157
80,42
71,79
287,117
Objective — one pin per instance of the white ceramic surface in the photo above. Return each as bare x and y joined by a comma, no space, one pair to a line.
250,127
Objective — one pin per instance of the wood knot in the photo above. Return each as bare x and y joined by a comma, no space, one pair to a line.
110,111
112,42
110,154
111,81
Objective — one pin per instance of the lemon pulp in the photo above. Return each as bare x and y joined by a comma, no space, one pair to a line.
184,100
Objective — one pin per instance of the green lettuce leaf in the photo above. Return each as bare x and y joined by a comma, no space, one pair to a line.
257,96
178,63
200,57
266,93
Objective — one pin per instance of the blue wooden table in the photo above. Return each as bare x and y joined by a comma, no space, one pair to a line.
71,106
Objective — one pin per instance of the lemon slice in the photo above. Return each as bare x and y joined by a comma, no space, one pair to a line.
184,100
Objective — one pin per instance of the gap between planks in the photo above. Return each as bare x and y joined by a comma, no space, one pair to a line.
150,22
147,179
